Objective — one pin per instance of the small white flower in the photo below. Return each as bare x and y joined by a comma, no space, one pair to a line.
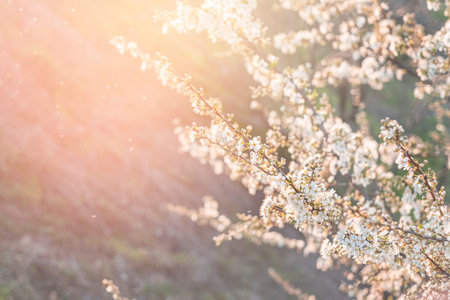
266,207
402,161
240,146
255,144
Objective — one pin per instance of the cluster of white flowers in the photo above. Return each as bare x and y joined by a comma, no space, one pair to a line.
217,18
388,226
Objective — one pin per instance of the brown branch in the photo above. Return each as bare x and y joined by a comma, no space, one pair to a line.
436,265
420,171
443,240
220,116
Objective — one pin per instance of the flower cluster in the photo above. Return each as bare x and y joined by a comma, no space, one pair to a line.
113,289
370,205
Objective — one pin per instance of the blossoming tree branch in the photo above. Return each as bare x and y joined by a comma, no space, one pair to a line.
387,229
